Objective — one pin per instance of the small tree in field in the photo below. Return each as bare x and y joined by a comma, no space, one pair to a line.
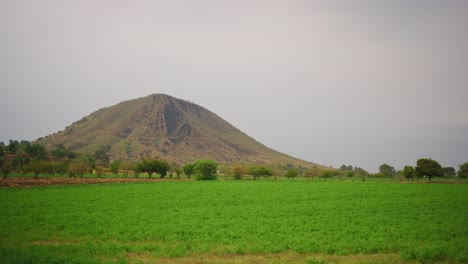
40,166
326,174
154,166
449,172
238,171
114,167
126,166
258,171
206,169
311,172
408,172
78,167
5,168
61,168
189,169
463,172
429,168
99,171
291,173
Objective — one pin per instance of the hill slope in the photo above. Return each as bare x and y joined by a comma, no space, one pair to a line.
163,126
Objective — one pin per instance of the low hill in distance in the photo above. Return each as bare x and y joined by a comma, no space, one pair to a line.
166,127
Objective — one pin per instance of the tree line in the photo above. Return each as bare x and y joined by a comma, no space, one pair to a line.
23,157
425,168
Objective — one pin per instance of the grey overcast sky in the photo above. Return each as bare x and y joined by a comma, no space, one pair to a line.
361,82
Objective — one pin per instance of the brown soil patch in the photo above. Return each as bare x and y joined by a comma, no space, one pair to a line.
287,257
30,182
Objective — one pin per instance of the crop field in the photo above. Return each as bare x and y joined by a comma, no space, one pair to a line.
235,222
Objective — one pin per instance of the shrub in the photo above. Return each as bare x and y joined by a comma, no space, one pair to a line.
206,169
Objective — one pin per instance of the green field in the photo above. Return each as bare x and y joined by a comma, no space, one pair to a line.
235,222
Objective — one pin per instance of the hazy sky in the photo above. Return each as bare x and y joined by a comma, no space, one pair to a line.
334,82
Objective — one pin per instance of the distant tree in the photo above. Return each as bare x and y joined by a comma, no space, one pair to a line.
178,172
5,168
292,173
172,169
39,166
101,157
91,162
206,169
449,172
326,174
239,171
350,174
277,171
387,171
346,168
13,146
360,173
311,172
36,151
463,171
136,170
61,168
78,167
60,152
189,169
257,171
154,166
408,172
99,171
126,166
114,167
429,168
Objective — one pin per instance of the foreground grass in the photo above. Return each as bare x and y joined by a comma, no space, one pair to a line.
198,222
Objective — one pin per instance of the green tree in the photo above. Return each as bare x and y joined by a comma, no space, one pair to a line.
449,172
78,167
292,173
126,166
257,171
5,167
429,168
361,173
206,169
179,172
387,171
239,170
114,167
136,169
408,172
154,166
172,169
61,168
463,171
326,174
40,166
61,153
99,171
101,157
311,172
36,151
346,168
189,169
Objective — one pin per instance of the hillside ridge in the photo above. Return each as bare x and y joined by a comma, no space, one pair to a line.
163,126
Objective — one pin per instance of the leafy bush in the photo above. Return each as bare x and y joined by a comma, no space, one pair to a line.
206,169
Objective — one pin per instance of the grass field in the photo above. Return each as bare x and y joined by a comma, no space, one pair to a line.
235,222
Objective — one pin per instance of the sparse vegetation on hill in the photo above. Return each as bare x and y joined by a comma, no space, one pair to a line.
163,126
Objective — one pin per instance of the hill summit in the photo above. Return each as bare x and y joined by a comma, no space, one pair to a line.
163,126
